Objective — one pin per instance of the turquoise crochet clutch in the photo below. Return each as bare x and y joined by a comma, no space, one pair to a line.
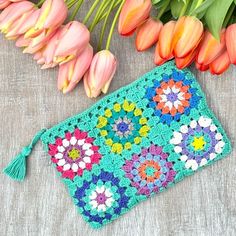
132,144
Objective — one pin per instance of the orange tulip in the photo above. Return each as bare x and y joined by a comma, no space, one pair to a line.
210,48
220,64
201,67
148,34
133,14
186,61
158,60
165,39
187,35
231,42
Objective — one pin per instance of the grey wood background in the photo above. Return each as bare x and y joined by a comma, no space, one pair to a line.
203,204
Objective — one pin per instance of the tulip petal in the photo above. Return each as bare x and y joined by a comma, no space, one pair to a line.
220,64
231,42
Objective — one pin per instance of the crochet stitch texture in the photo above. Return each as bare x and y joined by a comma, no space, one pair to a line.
135,143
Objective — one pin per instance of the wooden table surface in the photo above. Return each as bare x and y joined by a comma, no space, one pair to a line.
203,204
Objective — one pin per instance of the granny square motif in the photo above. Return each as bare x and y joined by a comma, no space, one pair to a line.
135,143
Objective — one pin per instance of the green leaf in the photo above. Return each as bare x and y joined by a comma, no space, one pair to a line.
215,16
199,6
176,7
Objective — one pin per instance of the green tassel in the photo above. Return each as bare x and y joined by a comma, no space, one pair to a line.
17,167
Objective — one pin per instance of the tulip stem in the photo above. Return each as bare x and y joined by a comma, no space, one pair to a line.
100,10
75,12
91,10
163,9
182,12
113,25
40,3
105,25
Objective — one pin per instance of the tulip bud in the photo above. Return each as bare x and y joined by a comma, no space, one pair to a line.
231,42
210,48
148,34
4,4
99,76
22,42
187,35
72,40
22,25
201,67
71,73
186,61
220,64
52,14
133,14
158,60
165,39
13,13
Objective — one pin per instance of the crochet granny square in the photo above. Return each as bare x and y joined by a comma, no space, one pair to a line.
135,143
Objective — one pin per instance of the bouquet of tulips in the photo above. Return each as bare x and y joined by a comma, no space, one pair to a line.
40,30
198,31
177,30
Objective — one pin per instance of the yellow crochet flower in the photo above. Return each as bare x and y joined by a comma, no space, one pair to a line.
123,126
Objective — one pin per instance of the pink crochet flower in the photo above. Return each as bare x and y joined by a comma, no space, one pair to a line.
74,153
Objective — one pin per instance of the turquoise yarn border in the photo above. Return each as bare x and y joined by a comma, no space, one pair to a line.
159,133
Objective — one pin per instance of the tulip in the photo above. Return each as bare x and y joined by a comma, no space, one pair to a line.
13,12
73,39
71,73
210,48
52,14
201,67
23,24
186,61
148,34
165,39
220,64
187,35
99,76
4,4
133,14
22,42
158,60
231,43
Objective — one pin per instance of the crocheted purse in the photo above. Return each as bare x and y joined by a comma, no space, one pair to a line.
132,144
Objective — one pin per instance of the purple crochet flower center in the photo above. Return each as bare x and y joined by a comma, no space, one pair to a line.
101,198
195,156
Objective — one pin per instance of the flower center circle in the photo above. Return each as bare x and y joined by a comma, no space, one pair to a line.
74,154
172,97
101,198
150,171
198,143
123,127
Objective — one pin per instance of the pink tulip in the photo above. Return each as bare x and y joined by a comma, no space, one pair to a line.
22,42
133,14
4,4
99,76
72,40
148,34
13,13
21,26
231,43
72,72
52,14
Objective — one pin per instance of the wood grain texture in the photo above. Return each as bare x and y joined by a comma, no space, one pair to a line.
203,204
